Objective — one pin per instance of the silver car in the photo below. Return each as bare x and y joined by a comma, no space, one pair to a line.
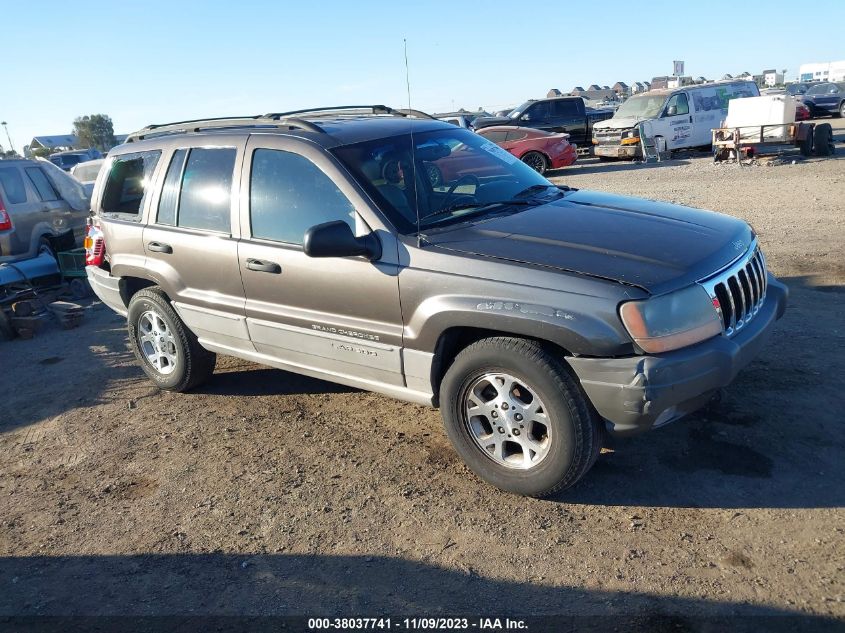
33,208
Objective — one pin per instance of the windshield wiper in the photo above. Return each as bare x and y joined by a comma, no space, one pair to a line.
476,209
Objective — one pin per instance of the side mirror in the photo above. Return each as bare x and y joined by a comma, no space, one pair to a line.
335,239
671,110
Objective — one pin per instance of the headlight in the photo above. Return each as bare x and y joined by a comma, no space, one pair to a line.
671,321
630,137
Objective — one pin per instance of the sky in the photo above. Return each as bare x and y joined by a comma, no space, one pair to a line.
155,61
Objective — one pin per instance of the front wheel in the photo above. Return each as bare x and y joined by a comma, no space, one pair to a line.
168,351
518,418
536,161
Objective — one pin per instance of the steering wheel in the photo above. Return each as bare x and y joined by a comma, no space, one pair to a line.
465,178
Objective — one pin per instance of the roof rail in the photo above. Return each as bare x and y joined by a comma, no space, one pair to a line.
372,109
197,125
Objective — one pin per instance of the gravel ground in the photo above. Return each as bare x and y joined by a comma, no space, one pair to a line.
268,493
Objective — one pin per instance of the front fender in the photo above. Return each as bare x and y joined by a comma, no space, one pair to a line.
590,328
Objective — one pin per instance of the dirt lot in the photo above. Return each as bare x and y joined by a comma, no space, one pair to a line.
268,493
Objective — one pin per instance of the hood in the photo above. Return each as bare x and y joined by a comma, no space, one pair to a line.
623,123
656,246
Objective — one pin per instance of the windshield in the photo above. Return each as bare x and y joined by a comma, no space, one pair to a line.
641,107
457,172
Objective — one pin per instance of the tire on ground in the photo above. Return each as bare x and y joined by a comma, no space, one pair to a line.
823,139
576,435
194,364
806,146
536,161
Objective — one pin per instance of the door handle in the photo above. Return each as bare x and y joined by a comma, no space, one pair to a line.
158,247
263,267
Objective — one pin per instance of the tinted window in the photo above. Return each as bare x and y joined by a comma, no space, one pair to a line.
565,108
517,136
497,136
289,194
44,187
819,89
206,198
170,191
127,182
538,112
12,183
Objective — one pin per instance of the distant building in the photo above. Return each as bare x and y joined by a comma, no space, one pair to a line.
638,86
595,94
594,87
678,82
55,143
576,89
701,80
825,71
554,92
727,76
660,83
621,88
772,78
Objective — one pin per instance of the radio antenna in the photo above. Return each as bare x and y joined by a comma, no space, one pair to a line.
413,146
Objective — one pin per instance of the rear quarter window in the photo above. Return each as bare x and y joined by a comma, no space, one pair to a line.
12,184
129,178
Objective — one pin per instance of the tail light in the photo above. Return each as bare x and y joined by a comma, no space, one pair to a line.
95,244
5,219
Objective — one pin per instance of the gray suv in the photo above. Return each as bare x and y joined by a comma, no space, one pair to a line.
536,317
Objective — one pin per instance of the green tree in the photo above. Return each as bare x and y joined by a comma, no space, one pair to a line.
95,130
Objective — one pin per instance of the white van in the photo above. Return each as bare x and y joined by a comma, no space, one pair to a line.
676,118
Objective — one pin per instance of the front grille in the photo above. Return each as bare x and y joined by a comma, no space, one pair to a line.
607,138
739,291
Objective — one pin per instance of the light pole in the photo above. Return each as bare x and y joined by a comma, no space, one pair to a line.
11,145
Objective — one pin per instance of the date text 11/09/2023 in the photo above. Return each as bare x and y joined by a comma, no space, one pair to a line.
416,624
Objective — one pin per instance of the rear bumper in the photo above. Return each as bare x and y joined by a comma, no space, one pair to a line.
639,393
567,158
107,288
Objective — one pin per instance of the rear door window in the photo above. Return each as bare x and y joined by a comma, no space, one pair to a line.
12,184
169,200
497,136
565,108
205,201
127,183
42,184
289,194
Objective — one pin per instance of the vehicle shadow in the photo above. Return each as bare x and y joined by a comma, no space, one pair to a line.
253,380
595,166
772,440
183,590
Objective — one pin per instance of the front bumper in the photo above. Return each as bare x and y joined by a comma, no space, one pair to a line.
617,151
638,393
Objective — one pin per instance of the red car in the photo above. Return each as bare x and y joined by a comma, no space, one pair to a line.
538,149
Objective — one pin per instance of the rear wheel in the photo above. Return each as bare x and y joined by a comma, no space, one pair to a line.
46,246
518,418
536,161
168,351
842,109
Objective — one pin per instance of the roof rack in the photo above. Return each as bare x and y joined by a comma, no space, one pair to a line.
198,125
371,109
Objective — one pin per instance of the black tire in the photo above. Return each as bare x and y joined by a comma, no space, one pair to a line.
193,364
44,244
536,161
823,140
806,146
841,111
575,437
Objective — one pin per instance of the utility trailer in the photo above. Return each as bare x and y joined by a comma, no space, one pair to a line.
748,141
766,125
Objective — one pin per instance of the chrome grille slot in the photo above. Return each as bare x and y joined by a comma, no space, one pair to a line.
739,290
